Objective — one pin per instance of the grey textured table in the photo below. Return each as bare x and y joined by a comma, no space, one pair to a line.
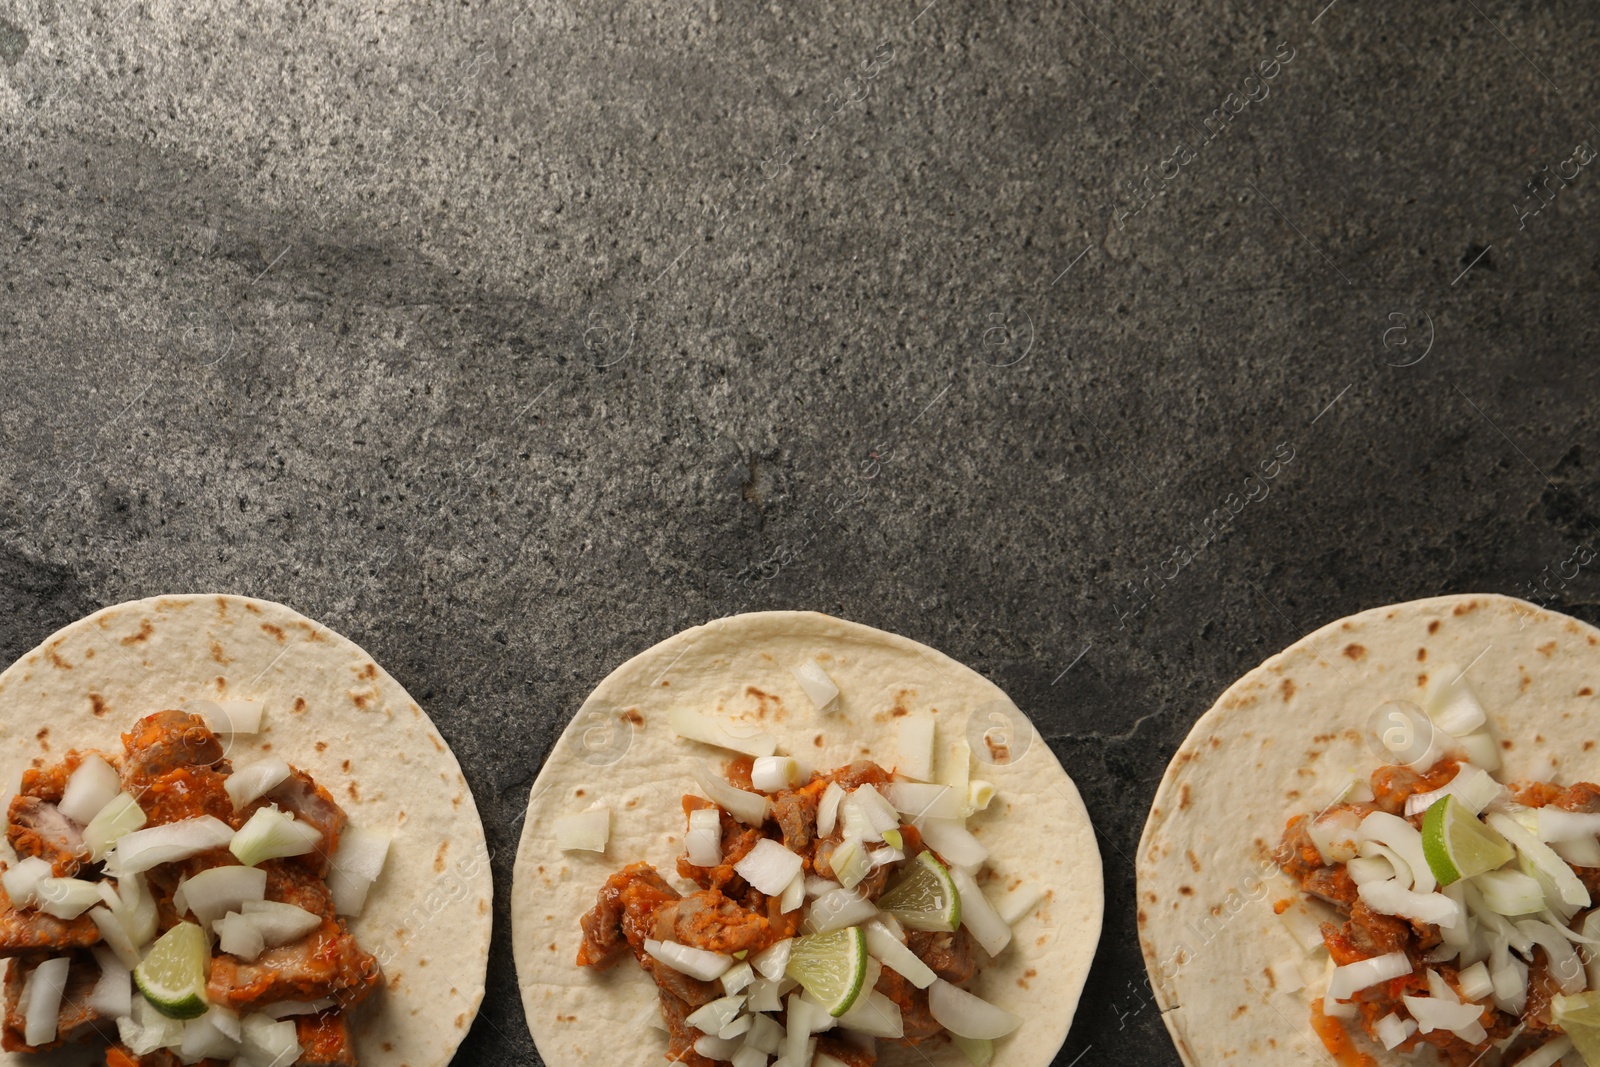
1105,347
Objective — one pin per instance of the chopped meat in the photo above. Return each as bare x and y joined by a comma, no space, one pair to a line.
291,883
25,932
37,828
737,841
312,804
860,773
845,1051
624,913
1542,988
917,1019
1584,796
948,955
876,881
680,1035
1366,934
49,783
324,1040
164,742
77,1020
186,793
1393,785
738,771
1300,860
325,963
710,921
1534,794
796,815
119,1056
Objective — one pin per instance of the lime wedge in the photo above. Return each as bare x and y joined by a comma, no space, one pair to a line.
1579,1017
923,897
1456,845
831,967
173,976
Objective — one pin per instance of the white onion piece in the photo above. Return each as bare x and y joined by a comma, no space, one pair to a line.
686,959
1481,749
750,1056
1510,977
916,741
21,881
120,817
141,850
284,1009
1451,703
92,786
713,1016
1591,928
1304,918
355,867
268,1041
875,1015
213,893
953,841
66,898
1334,835
116,937
1459,935
1403,838
255,780
738,1028
1392,1030
1509,892
979,795
747,807
794,895
816,683
921,801
963,1014
766,993
703,842
849,862
1475,982
1353,977
893,954
694,726
766,1035
770,774
1565,967
1472,786
280,923
112,995
1548,1054
736,978
238,936
880,814
1433,1014
955,769
584,831
817,886
229,716
1391,898
773,960
1402,869
1584,852
1539,854
1556,824
769,867
828,809
979,917
42,1000
1364,869
271,834
1020,902
203,1038
838,908
797,1043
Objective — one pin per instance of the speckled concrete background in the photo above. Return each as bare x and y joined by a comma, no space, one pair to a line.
511,339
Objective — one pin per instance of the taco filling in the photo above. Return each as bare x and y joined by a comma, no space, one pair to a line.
174,908
823,919
1457,911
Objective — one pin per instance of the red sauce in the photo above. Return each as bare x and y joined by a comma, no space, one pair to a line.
1337,1040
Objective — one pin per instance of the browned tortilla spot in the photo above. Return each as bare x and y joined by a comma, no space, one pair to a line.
1506,744
1272,982
1143,918
1356,652
1547,648
369,672
1433,627
99,705
1585,692
1186,890
1422,655
1240,1010
145,630
632,715
55,659
1462,609
1287,689
436,742
275,631
1422,680
299,705
817,740
218,654
438,859
1194,861
1183,799
1587,745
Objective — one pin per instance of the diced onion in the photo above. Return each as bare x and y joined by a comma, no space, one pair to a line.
837,909
255,780
773,960
979,795
979,916
703,842
1452,705
686,959
692,725
356,865
771,774
921,801
1562,958
1510,892
1510,977
584,831
1584,852
716,1014
267,1041
1474,787
797,1041
1556,824
878,811
1351,978
765,1035
238,936
737,977
272,834
828,809
1304,918
1287,977
893,954
213,893
750,1056
747,807
738,1028
1591,928
849,861
1020,902
1373,850
1548,1054
1404,839
1334,835
1539,854
280,923
147,1030
205,1037
67,898
769,867
1481,749
955,769
1391,898
44,986
713,1047
916,737
229,716
116,937
141,850
1433,1014
1364,869
963,1014
92,786
22,880
1475,982
766,993
882,857
120,817
112,995
1338,1009
953,841
1391,1030
816,683
875,1015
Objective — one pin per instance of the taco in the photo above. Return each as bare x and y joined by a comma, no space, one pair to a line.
231,837
782,838
1382,846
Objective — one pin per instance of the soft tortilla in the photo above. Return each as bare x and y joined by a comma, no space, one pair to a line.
619,751
333,712
1285,739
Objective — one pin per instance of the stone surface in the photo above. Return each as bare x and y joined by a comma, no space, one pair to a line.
509,340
